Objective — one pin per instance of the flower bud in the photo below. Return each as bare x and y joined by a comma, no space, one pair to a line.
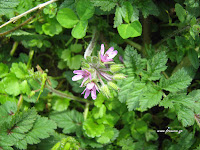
89,59
56,146
105,90
119,76
116,67
113,85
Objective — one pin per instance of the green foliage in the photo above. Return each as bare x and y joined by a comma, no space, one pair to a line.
71,121
23,128
158,47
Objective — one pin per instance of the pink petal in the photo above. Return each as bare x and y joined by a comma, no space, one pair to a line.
96,88
83,91
113,54
77,77
90,85
102,49
87,93
93,93
78,72
106,76
84,81
109,51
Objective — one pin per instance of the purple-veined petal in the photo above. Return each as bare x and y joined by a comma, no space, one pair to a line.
106,76
113,54
78,72
84,81
110,50
96,87
77,77
93,93
90,85
87,93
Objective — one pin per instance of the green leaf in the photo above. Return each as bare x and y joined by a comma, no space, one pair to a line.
67,18
76,48
127,9
93,129
193,57
180,12
75,62
178,81
105,5
151,97
20,70
156,65
3,70
106,136
41,129
133,29
52,28
11,85
6,6
147,7
24,87
59,103
85,9
186,116
118,17
110,118
99,112
71,121
151,135
133,61
79,31
195,94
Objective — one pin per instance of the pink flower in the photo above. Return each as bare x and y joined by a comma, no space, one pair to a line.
109,55
81,74
91,87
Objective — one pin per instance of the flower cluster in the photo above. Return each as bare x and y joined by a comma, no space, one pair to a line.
99,70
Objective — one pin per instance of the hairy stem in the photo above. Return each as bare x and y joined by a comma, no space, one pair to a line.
27,12
92,44
64,95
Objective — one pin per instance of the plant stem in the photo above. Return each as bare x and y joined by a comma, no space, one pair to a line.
135,45
15,45
92,44
31,53
27,12
64,95
19,26
85,113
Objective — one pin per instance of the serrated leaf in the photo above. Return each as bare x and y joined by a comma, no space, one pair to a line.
41,129
93,129
118,17
59,103
79,31
180,12
71,121
193,57
105,5
20,70
186,116
67,18
6,6
85,9
133,61
127,9
110,118
151,97
133,29
156,65
178,81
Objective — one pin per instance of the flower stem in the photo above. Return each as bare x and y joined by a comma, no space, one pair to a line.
64,95
92,44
